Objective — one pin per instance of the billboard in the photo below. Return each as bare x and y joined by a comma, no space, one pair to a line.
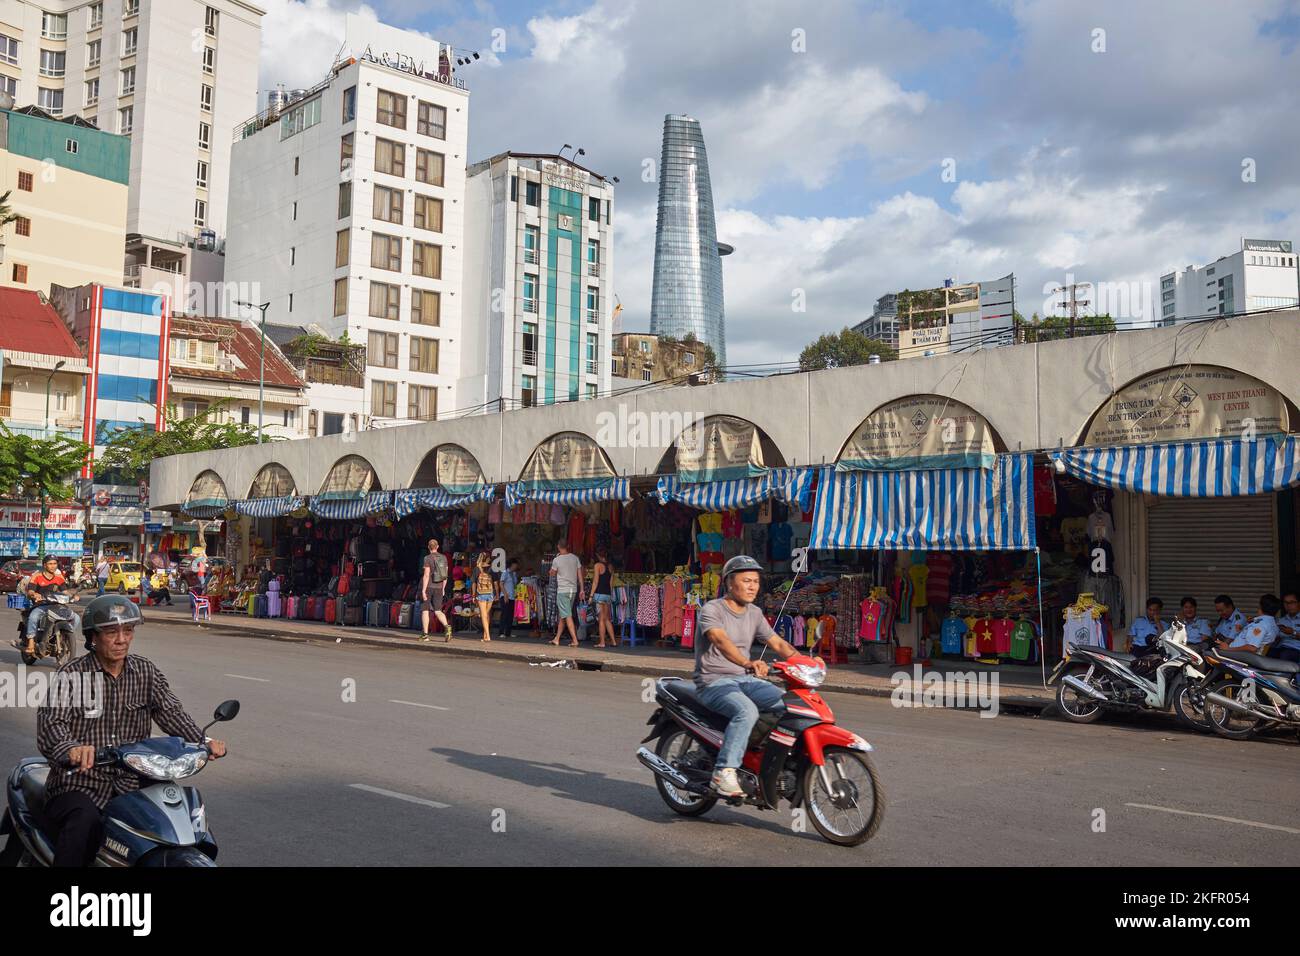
20,526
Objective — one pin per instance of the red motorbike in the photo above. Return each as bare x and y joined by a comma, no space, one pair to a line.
800,755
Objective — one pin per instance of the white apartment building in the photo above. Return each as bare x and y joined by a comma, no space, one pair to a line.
539,264
347,209
883,323
1263,275
174,75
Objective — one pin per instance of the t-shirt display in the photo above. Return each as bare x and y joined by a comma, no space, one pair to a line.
918,573
951,634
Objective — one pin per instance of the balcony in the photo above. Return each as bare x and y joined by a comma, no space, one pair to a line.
530,356
593,315
593,367
530,305
61,426
593,268
530,257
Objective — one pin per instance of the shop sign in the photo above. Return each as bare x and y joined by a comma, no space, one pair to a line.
720,448
917,433
408,64
911,341
458,471
115,505
1267,245
1188,403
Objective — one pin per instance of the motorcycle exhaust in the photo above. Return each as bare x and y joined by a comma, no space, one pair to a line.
662,769
1083,688
1231,705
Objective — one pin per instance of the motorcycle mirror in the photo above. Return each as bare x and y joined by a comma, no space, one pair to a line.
226,710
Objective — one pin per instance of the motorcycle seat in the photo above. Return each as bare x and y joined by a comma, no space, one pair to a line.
32,774
683,690
1104,652
1271,664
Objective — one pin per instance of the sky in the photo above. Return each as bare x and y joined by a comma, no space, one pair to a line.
860,148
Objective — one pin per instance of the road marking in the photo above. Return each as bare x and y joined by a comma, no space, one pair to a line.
261,680
401,796
1214,816
411,703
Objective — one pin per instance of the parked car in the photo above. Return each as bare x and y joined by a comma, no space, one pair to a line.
124,576
11,572
190,579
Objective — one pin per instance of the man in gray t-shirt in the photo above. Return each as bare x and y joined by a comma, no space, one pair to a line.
567,570
726,680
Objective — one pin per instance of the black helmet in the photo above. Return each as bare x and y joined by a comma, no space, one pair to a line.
741,562
106,611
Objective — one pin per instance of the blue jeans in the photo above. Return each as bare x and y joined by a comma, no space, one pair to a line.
739,698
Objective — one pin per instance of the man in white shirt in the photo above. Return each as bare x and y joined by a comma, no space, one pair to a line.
1288,629
567,571
1197,628
1256,636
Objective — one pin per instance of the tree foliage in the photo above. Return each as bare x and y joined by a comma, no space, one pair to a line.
29,465
1058,327
130,452
842,349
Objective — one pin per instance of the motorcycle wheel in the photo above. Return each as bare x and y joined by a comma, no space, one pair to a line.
839,814
63,651
1185,708
1227,723
677,746
1075,706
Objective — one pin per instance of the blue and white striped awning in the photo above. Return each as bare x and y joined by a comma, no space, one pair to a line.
786,484
1212,468
614,489
948,509
411,500
350,509
205,510
269,507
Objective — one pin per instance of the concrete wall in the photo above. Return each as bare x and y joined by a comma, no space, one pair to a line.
1035,397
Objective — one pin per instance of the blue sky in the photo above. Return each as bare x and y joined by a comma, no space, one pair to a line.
1103,141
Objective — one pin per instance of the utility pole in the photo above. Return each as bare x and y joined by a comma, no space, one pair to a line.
261,367
1074,303
40,547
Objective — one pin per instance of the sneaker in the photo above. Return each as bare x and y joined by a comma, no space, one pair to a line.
446,638
725,783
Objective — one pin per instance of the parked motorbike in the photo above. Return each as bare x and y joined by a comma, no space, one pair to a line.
161,824
1090,679
1247,693
54,637
801,756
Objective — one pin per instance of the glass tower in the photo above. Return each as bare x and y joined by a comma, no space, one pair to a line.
687,293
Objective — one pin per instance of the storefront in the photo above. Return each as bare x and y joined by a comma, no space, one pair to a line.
20,529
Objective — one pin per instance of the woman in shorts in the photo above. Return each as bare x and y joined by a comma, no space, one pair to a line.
486,586
602,594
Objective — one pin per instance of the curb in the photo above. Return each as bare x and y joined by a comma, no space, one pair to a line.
613,666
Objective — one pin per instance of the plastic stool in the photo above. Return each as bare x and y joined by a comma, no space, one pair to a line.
628,633
200,605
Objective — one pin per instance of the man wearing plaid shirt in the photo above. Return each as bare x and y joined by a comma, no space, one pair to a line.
135,695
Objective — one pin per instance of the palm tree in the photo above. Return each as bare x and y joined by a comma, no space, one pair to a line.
7,215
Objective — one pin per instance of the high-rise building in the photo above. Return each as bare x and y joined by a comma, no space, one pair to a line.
883,323
174,75
1263,275
347,212
687,292
539,264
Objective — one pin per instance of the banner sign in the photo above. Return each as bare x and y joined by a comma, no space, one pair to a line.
720,448
458,471
569,460
64,543
920,432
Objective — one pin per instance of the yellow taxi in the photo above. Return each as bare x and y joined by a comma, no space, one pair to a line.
123,576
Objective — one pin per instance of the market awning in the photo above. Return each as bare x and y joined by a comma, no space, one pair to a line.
411,500
207,497
352,509
612,489
269,507
948,509
1211,468
720,448
787,484
567,461
351,477
272,481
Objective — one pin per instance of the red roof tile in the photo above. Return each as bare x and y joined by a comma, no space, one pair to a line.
244,342
29,325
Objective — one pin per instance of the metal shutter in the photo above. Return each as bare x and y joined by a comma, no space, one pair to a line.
1209,546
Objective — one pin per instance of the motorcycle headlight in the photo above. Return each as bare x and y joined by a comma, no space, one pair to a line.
159,767
810,675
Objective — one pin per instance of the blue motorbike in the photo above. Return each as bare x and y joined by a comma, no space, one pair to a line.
161,824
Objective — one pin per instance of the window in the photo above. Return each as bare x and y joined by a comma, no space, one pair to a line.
532,241
130,8
340,296
424,354
54,26
296,161
201,177
299,118
593,350
288,415
293,261
128,81
530,343
9,50
50,100
209,60
645,374
385,252
210,17
125,119
385,301
20,272
422,402
205,136
533,194
593,304
428,167
191,408
383,399
200,212
244,412
130,40
689,358
345,200
312,419
645,346
427,261
345,152
382,351
392,109
431,120
205,98
294,214
342,246
428,213
22,226
9,85
514,189
591,390
92,91
528,390
349,104
426,307
388,205
530,293
96,16
593,209
390,157
25,182
593,257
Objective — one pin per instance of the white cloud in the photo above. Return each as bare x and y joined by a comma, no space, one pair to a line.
299,41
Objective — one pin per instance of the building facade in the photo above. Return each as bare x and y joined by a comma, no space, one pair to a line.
687,293
1264,274
640,358
347,212
539,265
42,369
883,323
335,373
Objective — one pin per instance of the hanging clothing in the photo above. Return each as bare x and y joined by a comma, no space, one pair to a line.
674,606
647,606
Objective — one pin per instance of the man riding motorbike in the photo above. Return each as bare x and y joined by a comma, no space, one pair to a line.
36,588
726,680
135,693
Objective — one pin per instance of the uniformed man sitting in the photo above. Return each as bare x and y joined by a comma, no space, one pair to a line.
1231,621
1145,631
1197,628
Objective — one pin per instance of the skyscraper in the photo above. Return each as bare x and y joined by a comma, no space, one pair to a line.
687,293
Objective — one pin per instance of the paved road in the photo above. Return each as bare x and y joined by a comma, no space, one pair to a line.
436,749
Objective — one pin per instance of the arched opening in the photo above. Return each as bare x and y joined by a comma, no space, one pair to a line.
208,491
451,468
920,432
351,477
721,448
567,460
272,481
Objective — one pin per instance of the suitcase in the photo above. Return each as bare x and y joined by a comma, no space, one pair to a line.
353,615
291,606
303,604
385,611
417,607
251,607
260,606
318,609
372,614
274,604
404,614
395,614
331,610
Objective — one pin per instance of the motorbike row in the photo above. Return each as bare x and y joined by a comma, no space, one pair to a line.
1234,694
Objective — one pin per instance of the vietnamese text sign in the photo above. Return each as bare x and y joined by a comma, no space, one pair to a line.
920,432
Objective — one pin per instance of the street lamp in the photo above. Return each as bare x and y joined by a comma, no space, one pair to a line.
261,366
40,547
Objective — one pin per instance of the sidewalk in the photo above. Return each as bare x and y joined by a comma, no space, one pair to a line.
1017,686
